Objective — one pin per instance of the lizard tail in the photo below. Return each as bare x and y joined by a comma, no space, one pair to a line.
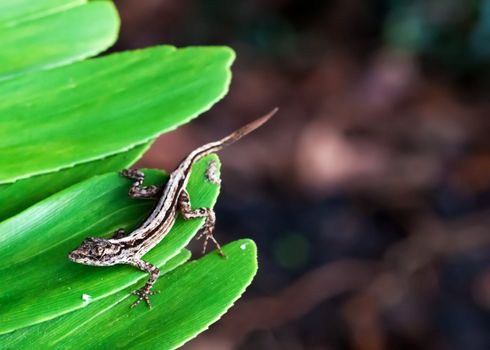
244,130
215,146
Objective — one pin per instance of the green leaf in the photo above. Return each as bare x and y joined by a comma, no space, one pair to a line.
47,333
103,106
56,38
45,33
65,124
192,297
40,283
14,11
21,194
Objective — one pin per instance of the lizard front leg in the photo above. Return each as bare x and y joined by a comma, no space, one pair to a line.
137,190
145,292
189,213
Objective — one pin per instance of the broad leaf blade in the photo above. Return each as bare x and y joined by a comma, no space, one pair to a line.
192,297
99,107
15,11
47,333
40,283
58,38
21,194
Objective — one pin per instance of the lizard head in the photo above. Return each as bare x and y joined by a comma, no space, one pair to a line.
96,251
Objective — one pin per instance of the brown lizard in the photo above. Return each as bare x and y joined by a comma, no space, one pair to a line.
173,198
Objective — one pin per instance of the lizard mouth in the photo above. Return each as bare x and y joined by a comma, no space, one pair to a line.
73,256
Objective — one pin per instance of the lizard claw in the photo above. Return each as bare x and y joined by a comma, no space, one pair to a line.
143,294
209,236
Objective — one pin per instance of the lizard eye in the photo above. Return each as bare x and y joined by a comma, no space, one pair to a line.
99,250
88,241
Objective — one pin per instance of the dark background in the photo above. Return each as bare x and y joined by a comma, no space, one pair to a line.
369,193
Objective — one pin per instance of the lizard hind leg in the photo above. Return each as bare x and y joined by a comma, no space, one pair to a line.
137,190
145,292
189,213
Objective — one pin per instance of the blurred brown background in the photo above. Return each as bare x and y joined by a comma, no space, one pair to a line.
369,193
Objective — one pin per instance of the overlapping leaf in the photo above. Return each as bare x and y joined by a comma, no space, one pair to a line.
40,283
96,108
64,125
43,34
17,196
192,296
46,33
16,11
59,32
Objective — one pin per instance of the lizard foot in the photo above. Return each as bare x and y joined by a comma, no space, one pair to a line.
209,236
143,294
